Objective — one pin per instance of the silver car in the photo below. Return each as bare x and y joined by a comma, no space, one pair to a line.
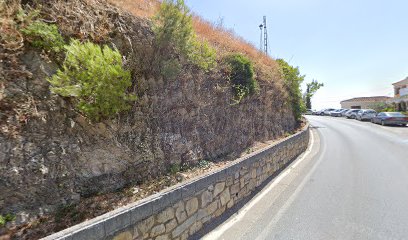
338,112
328,111
352,113
366,114
343,113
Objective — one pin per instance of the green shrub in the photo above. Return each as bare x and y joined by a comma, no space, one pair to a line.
241,74
203,55
174,31
44,36
173,26
95,77
292,82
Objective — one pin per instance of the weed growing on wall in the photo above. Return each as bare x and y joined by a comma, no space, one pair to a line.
174,168
174,31
44,36
241,74
6,218
95,77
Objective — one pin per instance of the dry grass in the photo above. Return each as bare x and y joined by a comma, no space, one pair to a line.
10,37
224,41
227,42
140,8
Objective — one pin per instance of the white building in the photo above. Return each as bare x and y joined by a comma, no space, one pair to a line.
400,99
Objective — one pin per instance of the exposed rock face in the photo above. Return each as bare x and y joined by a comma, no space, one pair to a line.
51,155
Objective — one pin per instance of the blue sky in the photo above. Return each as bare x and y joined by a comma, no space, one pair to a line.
355,47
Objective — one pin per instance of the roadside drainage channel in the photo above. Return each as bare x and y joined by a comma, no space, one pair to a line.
180,211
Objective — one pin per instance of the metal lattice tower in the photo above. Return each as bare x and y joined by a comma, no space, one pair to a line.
265,36
263,41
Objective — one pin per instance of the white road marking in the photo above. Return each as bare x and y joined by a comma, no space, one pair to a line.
216,234
290,200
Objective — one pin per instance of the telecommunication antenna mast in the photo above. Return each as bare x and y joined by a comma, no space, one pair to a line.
265,36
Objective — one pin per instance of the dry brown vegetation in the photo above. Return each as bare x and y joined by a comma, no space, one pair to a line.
140,8
223,40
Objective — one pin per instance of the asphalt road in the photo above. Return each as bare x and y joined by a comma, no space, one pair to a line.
352,184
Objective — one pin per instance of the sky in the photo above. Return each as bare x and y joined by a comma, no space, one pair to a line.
357,48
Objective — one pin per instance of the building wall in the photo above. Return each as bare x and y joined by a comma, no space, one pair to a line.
403,91
359,105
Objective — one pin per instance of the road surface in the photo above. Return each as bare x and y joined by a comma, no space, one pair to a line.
352,184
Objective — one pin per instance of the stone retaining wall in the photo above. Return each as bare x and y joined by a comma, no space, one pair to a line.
182,210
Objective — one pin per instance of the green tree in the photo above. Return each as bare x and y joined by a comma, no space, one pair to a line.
95,77
174,32
311,89
292,82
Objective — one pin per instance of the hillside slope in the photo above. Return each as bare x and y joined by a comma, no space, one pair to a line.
51,155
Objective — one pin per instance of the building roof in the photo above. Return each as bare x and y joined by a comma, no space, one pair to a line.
367,99
402,82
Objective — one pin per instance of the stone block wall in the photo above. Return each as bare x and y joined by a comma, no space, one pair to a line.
182,210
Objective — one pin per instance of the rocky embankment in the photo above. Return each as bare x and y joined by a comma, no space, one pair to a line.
50,155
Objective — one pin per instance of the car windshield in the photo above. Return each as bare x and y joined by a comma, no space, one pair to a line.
395,114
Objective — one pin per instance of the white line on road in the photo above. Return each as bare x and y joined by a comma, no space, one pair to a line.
288,203
216,234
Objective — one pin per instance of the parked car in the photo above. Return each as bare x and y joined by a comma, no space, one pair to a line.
352,113
388,118
365,114
343,113
338,112
327,111
308,112
332,113
320,112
